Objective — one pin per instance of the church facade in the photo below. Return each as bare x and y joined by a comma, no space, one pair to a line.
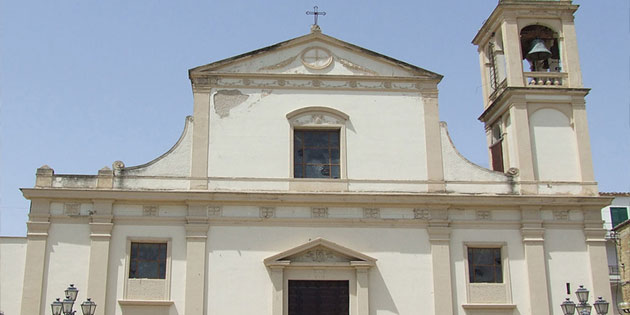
315,177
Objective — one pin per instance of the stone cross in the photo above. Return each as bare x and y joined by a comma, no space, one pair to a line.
315,13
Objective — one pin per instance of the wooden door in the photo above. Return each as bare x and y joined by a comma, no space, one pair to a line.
316,297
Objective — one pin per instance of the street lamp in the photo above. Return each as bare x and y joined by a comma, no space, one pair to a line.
65,307
583,308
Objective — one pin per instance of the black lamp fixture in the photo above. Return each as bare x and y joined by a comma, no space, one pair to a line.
584,308
65,307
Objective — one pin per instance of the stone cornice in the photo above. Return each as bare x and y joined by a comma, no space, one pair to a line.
347,199
439,234
37,230
101,230
505,99
512,9
196,231
436,233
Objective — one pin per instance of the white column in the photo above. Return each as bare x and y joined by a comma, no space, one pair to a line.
36,239
583,142
523,146
512,51
440,239
101,229
435,171
196,237
533,244
362,269
595,237
201,125
277,281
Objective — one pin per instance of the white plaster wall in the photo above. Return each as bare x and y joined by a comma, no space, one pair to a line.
567,261
155,183
554,147
253,140
12,257
464,176
67,262
118,262
621,201
516,264
236,254
340,66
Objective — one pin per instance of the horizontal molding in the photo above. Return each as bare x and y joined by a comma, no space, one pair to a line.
145,303
479,306
346,199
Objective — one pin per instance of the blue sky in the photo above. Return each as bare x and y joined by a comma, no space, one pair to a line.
85,83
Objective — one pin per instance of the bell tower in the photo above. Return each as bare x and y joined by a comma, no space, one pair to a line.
534,100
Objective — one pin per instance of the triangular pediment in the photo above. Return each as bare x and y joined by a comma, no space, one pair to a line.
314,54
320,252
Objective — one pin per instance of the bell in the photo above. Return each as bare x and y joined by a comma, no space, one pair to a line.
538,51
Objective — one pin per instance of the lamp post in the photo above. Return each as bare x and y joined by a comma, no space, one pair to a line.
583,308
65,307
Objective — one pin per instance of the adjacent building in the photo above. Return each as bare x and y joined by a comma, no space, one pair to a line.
616,222
315,177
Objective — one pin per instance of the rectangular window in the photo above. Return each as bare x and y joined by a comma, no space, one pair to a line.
484,265
147,261
316,154
618,215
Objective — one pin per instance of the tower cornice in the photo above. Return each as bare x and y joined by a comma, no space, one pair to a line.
498,105
510,9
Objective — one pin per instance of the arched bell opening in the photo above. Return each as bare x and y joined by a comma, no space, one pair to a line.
540,49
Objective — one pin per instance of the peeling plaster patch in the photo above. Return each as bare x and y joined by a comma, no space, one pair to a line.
225,100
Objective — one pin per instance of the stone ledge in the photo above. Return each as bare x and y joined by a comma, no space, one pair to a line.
145,303
480,306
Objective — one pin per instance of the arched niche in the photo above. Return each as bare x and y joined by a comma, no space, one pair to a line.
554,147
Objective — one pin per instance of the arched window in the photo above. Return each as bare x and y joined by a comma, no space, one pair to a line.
318,142
539,46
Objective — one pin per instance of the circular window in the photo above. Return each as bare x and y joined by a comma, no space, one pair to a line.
316,58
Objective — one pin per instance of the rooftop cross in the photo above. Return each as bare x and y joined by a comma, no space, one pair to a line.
315,13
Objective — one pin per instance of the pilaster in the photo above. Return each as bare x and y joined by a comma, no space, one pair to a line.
362,290
583,140
523,146
571,64
34,264
435,171
440,239
277,279
100,234
196,238
512,48
200,145
533,243
595,238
